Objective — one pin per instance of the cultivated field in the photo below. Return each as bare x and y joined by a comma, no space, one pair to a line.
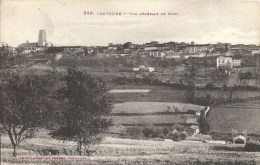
158,94
239,116
248,82
155,120
167,94
149,107
159,114
125,151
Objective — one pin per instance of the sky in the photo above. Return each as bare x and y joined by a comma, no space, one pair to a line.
201,21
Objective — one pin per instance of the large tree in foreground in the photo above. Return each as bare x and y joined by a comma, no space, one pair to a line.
86,110
21,106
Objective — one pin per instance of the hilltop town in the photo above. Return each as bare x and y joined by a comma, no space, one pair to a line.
216,65
206,95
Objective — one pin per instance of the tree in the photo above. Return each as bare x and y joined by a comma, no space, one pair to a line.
209,100
6,56
189,77
226,47
203,124
86,110
21,106
190,92
234,133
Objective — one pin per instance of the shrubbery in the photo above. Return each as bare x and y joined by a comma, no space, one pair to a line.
176,133
134,132
152,132
252,146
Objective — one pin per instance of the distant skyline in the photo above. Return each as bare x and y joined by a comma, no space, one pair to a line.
65,23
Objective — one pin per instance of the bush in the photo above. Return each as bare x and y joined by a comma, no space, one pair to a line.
120,80
178,127
210,86
133,132
151,132
177,136
252,146
148,132
165,131
183,135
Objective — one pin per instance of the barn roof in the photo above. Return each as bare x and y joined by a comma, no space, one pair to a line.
239,137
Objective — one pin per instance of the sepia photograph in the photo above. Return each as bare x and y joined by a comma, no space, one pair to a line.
129,82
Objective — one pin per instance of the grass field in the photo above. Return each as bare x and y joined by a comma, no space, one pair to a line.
155,113
239,116
222,119
167,94
158,94
148,107
248,82
126,151
155,120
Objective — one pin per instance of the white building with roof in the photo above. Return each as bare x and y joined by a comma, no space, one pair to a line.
223,61
239,139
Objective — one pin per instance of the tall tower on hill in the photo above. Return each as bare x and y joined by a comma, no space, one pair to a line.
42,38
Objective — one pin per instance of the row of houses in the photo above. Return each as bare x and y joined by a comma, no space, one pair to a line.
152,49
155,49
183,50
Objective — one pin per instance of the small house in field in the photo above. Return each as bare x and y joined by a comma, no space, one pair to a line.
150,69
239,139
135,69
143,68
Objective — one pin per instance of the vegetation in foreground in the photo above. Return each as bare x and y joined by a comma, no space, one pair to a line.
45,150
79,109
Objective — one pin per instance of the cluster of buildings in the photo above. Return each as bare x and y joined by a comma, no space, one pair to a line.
43,45
155,49
161,50
168,50
176,50
33,47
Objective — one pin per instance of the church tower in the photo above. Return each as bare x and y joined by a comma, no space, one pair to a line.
42,38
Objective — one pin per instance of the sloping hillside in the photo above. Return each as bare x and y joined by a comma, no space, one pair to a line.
239,116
